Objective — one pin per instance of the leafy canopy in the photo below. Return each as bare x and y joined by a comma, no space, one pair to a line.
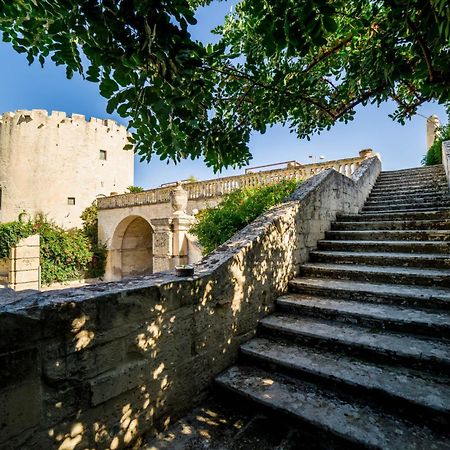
305,63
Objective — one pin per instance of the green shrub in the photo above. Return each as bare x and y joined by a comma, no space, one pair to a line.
97,265
11,233
216,225
65,255
434,154
135,189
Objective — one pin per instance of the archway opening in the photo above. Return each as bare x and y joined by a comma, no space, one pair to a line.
131,250
137,249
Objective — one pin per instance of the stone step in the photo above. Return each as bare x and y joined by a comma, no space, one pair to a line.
418,177
424,260
355,422
413,247
386,213
394,200
431,205
395,215
383,316
397,195
430,298
388,235
389,274
440,183
443,224
394,193
411,176
399,387
378,345
420,169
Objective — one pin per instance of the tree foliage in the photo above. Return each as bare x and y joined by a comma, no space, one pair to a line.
216,225
135,189
305,63
434,153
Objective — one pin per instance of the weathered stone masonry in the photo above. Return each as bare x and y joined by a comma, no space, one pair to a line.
96,367
47,159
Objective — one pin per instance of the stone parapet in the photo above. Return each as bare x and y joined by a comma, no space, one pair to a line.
218,187
98,366
446,159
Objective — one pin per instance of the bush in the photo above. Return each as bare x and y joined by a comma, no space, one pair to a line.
11,233
65,255
216,225
135,189
97,265
434,154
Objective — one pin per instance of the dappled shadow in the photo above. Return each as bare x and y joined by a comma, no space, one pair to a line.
115,360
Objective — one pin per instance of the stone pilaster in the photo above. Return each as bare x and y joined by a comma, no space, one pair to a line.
162,244
181,225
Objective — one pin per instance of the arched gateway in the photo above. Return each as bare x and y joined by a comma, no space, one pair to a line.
131,252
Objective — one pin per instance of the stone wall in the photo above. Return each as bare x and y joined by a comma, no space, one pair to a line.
47,159
21,271
446,159
98,366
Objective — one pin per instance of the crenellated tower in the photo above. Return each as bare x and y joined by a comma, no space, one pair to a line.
57,165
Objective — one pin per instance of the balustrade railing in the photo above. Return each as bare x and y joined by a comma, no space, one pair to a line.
221,186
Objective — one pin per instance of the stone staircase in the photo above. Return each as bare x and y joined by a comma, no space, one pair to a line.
358,350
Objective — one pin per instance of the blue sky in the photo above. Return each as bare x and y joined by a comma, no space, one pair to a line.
30,87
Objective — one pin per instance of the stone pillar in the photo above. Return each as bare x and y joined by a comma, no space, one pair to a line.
24,270
162,244
181,225
432,126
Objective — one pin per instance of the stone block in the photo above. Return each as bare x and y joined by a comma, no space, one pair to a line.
25,252
31,285
117,381
25,264
23,276
20,409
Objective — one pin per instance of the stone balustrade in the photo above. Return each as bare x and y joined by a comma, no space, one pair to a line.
218,187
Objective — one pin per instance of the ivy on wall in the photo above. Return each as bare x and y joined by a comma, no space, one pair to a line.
216,225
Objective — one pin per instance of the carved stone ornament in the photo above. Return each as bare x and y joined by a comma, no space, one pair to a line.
179,199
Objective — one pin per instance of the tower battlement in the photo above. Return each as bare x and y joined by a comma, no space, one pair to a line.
57,119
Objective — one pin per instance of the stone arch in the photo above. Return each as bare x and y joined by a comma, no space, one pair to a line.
131,249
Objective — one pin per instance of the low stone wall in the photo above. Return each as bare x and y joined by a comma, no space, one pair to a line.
21,270
96,367
446,159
